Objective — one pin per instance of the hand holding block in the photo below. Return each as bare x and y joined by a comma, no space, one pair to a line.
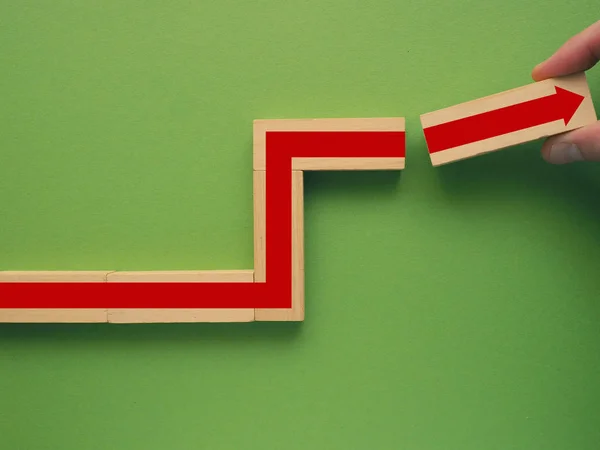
509,118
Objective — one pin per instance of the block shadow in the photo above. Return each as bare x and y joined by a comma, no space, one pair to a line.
511,172
149,334
478,184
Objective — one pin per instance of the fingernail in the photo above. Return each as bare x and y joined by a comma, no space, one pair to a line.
564,152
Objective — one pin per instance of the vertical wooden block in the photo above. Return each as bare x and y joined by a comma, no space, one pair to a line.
58,315
181,315
509,118
296,313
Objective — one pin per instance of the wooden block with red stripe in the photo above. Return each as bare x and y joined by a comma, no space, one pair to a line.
509,118
382,124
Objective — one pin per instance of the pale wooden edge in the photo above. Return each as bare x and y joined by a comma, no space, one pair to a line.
348,163
65,315
197,315
297,246
260,211
296,313
49,276
576,83
183,276
261,126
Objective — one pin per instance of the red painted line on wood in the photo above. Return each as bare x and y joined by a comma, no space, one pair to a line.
561,105
276,292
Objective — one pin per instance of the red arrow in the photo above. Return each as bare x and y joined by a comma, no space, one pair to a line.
561,105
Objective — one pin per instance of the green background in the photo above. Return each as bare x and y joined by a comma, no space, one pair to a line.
451,308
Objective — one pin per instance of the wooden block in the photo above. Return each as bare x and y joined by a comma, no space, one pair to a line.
12,315
260,211
509,118
87,315
261,126
296,313
53,276
184,276
171,315
58,315
348,163
179,315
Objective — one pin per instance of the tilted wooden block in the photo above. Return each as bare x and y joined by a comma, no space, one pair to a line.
509,118
296,313
353,124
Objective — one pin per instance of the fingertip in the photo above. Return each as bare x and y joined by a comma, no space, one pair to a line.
537,74
545,151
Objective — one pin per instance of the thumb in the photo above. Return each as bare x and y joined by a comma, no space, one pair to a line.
582,144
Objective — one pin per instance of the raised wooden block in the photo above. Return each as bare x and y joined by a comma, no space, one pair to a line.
260,227
171,315
353,124
509,118
296,313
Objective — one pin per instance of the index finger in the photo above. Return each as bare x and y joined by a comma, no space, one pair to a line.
581,52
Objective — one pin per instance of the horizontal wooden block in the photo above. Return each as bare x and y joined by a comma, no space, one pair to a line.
296,312
53,276
174,315
261,126
186,276
179,315
509,118
348,163
58,315
53,315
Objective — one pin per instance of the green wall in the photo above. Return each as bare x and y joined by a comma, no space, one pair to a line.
451,308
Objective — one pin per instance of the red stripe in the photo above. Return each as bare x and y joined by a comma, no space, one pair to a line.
340,144
276,292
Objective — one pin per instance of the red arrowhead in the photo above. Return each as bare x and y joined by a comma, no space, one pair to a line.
567,103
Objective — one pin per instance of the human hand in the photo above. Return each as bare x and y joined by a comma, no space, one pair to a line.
581,52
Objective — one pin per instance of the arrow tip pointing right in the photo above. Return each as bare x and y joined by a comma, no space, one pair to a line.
567,103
